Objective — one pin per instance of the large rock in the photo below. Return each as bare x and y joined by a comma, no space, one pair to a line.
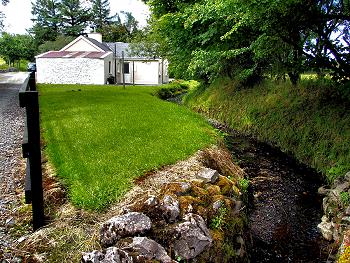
149,249
110,255
130,224
171,208
142,249
208,175
193,237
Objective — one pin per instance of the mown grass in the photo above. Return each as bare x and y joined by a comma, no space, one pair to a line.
311,121
99,138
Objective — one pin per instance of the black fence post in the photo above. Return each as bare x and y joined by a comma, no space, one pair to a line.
29,99
31,83
35,159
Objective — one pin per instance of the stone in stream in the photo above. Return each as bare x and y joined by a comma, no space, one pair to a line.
130,224
193,237
326,228
323,191
208,175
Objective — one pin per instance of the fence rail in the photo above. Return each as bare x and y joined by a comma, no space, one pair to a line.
29,99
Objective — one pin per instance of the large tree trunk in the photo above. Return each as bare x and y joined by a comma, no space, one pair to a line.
294,77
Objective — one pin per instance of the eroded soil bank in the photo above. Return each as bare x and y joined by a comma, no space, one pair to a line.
284,207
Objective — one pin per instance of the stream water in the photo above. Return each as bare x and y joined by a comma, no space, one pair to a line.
284,207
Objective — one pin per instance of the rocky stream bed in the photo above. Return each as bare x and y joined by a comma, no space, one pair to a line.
284,205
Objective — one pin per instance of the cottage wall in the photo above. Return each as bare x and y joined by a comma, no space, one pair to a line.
109,67
71,71
81,45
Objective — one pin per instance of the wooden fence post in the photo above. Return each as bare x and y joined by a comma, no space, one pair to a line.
29,99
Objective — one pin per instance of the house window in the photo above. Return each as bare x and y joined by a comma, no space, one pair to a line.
109,67
126,68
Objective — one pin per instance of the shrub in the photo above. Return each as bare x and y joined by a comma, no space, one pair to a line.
171,90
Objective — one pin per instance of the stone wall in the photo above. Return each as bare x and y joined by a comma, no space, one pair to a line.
71,71
335,225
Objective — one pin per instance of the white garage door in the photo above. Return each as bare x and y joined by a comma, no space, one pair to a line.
146,72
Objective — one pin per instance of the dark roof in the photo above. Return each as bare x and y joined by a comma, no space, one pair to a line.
100,45
118,47
71,54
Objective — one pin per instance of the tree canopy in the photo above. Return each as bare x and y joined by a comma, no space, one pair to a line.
100,14
46,20
53,18
247,39
16,47
74,17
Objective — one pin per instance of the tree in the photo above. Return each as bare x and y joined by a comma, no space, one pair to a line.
2,16
46,20
328,46
248,39
16,47
100,13
74,17
130,23
120,30
60,42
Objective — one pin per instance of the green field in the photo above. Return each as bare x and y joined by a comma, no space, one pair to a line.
99,138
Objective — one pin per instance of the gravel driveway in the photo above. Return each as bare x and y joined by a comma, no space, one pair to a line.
11,162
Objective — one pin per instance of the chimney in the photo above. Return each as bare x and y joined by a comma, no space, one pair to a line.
96,36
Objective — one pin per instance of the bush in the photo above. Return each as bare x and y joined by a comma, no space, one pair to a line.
171,90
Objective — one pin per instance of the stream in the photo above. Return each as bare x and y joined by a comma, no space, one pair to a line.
284,207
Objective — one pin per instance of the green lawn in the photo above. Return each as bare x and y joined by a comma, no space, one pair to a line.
101,137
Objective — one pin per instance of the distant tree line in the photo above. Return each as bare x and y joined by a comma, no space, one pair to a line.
57,22
249,39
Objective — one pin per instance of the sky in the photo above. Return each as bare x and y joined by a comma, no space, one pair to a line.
18,13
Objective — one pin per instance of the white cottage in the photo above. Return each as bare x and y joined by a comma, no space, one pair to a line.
87,60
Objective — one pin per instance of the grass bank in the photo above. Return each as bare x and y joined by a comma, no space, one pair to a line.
99,138
311,121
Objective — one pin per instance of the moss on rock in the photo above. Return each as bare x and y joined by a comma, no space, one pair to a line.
213,190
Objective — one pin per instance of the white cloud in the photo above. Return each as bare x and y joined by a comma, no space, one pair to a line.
18,13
